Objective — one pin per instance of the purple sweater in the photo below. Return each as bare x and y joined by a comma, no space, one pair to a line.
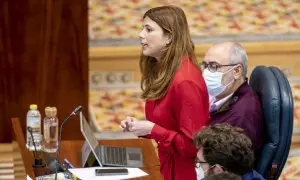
244,110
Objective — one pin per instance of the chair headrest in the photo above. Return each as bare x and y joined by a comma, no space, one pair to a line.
286,122
265,84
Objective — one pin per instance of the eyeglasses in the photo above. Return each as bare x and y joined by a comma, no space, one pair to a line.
198,163
213,66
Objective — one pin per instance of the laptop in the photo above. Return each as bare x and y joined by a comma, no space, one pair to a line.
104,155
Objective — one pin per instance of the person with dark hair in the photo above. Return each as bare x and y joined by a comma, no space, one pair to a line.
175,92
223,176
225,148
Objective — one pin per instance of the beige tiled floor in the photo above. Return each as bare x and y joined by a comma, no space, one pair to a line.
6,162
11,165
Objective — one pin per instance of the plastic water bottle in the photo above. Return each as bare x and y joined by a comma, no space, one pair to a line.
50,130
33,120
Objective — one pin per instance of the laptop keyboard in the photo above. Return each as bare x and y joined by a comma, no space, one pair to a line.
115,155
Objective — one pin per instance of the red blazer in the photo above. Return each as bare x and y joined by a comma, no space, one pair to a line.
178,116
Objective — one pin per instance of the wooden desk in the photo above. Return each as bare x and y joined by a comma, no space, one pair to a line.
71,150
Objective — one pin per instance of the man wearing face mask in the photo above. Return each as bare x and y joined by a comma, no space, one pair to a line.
224,148
232,100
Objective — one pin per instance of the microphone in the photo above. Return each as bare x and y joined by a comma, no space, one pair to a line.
52,164
38,162
76,110
73,113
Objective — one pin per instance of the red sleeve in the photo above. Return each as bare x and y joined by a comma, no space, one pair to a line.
191,115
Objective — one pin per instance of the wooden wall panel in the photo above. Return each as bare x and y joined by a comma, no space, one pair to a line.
285,54
7,90
44,59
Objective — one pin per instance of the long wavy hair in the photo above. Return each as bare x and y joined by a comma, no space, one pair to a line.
157,74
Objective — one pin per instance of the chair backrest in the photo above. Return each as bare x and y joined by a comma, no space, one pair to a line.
265,84
26,155
286,123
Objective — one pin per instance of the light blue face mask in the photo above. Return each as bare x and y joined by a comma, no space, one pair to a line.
213,82
199,173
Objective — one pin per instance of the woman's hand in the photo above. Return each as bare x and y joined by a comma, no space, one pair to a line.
141,127
138,127
124,126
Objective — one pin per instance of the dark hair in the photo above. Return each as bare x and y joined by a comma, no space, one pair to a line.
227,146
223,176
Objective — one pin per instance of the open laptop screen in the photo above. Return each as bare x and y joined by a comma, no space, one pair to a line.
88,133
90,143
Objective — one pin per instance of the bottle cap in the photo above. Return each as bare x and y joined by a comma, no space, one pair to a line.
33,107
54,111
50,111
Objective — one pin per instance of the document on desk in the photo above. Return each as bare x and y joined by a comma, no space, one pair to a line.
60,176
89,173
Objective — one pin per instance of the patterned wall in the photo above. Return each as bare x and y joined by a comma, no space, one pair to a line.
121,19
108,107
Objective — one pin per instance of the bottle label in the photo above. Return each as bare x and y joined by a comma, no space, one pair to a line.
35,123
50,142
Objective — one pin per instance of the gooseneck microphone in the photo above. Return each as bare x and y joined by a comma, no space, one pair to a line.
74,112
38,162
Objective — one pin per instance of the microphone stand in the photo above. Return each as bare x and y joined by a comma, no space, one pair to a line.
76,111
38,162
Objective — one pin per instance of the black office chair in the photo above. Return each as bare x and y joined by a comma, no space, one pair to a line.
265,84
275,95
286,123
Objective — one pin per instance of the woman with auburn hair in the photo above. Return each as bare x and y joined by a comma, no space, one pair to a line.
175,93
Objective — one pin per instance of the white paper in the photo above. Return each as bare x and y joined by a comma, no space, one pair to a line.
89,173
28,178
60,176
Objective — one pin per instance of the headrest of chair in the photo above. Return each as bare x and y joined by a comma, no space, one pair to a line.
286,123
265,84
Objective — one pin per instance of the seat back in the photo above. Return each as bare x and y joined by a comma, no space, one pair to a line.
286,123
265,84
